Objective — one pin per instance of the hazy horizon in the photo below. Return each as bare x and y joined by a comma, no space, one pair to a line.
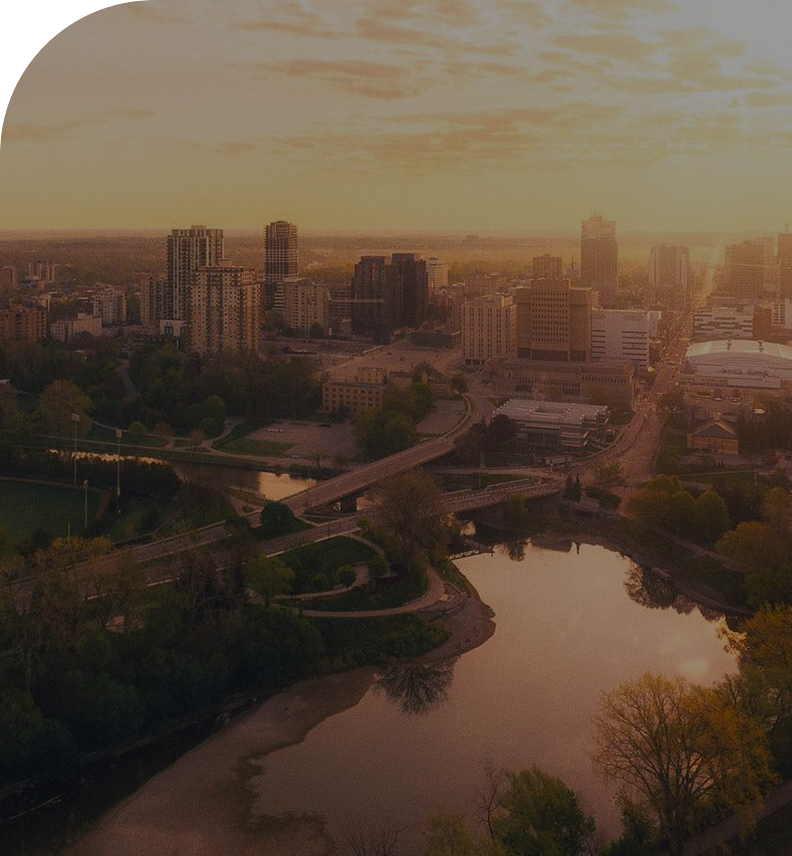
521,117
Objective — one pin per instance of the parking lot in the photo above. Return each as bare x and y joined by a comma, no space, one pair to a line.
310,438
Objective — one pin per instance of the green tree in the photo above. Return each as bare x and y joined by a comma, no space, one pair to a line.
448,835
270,577
316,331
777,510
276,519
409,509
346,575
712,516
540,816
609,474
650,507
58,402
459,383
137,433
681,754
682,510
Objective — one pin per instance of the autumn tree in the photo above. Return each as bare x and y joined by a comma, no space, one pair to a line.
409,509
681,754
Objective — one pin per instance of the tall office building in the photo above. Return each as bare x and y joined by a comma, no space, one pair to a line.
373,304
620,334
387,295
188,250
599,258
437,274
489,328
548,267
224,309
153,299
306,303
669,276
23,323
407,275
8,279
110,304
744,272
553,321
280,261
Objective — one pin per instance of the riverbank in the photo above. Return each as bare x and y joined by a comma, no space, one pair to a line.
204,804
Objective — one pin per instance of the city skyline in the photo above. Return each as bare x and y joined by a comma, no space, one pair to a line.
468,115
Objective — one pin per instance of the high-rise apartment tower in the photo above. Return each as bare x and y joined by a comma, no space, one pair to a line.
188,249
280,261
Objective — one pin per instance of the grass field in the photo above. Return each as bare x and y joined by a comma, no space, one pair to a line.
246,446
25,507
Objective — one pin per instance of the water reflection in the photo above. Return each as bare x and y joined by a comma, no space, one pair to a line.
418,689
652,590
515,550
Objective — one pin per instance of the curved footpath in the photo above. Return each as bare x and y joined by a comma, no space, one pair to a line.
431,597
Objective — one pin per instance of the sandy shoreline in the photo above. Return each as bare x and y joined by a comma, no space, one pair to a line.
202,805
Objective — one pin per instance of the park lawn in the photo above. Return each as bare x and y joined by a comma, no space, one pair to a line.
246,446
322,559
27,506
388,593
139,516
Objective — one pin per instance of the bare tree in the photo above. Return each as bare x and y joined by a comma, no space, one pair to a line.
380,840
488,796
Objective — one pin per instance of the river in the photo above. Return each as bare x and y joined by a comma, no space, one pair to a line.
571,622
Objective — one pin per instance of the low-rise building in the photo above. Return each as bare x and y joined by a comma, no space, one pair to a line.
734,366
366,388
66,329
751,321
555,425
715,436
614,381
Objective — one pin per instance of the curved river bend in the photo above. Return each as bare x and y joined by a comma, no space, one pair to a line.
570,623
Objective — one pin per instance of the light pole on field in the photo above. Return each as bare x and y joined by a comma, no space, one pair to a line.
85,493
118,433
75,417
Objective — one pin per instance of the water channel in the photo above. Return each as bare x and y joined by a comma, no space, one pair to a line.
571,622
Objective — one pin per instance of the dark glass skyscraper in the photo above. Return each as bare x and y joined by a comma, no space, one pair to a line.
599,258
280,261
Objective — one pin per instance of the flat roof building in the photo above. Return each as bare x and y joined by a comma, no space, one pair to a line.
738,364
556,425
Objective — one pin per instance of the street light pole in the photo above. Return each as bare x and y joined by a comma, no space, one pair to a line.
85,492
75,417
118,471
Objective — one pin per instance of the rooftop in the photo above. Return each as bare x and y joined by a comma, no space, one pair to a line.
742,347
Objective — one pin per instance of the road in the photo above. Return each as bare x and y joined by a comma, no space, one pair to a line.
364,477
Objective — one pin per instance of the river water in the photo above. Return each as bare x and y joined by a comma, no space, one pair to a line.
572,621
567,629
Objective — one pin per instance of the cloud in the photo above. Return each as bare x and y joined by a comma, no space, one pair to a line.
621,7
371,79
29,132
768,99
618,46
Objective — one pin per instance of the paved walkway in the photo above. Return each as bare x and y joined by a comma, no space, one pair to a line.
433,595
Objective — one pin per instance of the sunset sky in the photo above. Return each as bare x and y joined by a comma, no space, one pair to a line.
479,115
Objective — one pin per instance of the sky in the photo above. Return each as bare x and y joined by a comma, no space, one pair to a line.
442,115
